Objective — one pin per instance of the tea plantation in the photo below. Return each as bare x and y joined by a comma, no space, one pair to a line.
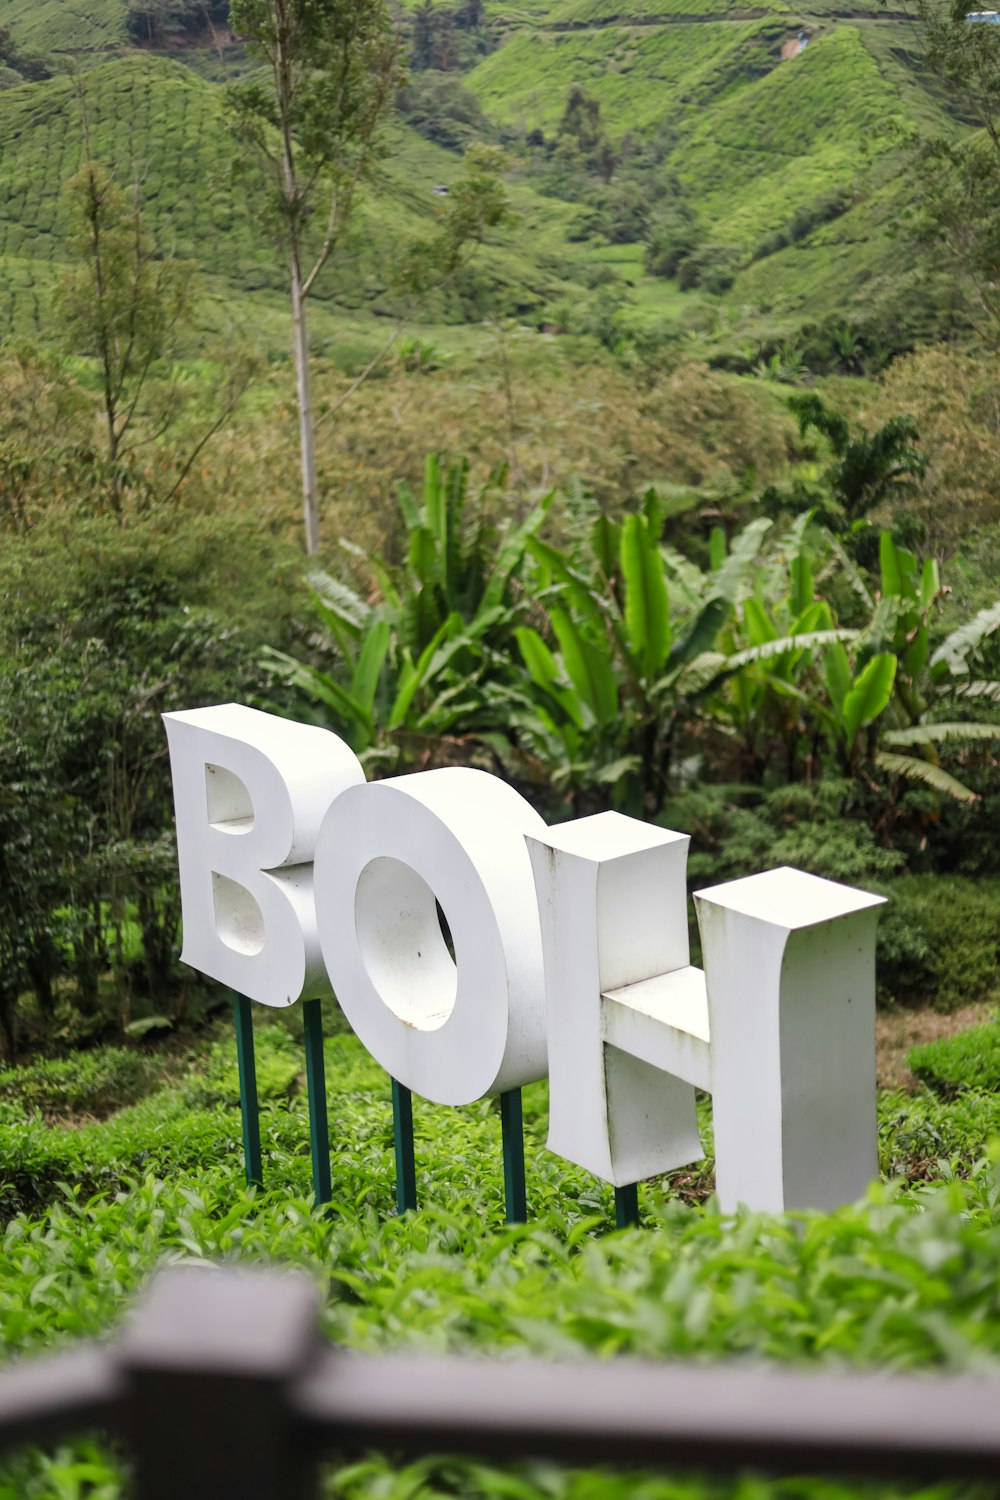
94,1197
792,170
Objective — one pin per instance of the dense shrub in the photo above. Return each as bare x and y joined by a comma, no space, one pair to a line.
103,629
440,109
88,1083
806,218
969,1060
673,238
904,1280
710,266
940,940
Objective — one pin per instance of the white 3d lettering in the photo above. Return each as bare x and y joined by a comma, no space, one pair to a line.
568,957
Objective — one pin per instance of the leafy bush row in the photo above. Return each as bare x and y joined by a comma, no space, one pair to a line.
905,1280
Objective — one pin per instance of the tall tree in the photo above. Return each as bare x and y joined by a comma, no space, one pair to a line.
121,303
129,306
315,125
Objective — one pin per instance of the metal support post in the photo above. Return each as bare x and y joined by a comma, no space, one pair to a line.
512,1127
402,1130
319,1124
249,1104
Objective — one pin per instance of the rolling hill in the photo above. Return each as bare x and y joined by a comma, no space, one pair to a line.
789,163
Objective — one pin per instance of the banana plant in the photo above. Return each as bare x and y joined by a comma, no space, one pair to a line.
928,687
775,645
416,661
625,653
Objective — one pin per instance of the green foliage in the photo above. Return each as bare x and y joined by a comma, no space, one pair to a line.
313,115
442,109
128,306
969,1060
104,628
958,178
163,21
818,827
87,1083
904,1280
869,469
418,662
630,630
939,940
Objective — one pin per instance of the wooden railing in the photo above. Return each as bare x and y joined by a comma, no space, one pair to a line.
222,1389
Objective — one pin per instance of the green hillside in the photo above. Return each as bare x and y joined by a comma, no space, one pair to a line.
753,140
156,123
62,26
787,165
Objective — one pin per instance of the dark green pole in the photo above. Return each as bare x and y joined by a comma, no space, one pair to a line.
512,1128
319,1124
249,1106
627,1207
402,1131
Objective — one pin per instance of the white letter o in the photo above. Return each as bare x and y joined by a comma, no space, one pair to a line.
452,1029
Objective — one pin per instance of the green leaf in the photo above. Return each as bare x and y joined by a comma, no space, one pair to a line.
572,584
701,633
930,583
424,560
408,505
759,626
434,500
917,652
607,775
716,548
542,666
513,549
954,650
837,670
348,714
936,734
412,675
587,667
851,571
369,667
451,541
699,675
809,641
889,566
647,617
605,544
922,770
729,580
802,583
343,601
869,695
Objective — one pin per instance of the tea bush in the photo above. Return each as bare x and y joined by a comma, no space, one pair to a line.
905,1279
89,1083
939,939
970,1060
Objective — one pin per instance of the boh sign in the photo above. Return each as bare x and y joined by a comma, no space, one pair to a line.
568,958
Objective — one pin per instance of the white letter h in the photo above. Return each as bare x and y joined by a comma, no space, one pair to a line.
779,1026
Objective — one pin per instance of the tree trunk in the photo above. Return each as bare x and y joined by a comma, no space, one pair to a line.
307,437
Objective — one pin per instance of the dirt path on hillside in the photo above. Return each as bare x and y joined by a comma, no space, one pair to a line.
625,22
897,1031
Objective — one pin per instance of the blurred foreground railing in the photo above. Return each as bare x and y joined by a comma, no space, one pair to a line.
222,1388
